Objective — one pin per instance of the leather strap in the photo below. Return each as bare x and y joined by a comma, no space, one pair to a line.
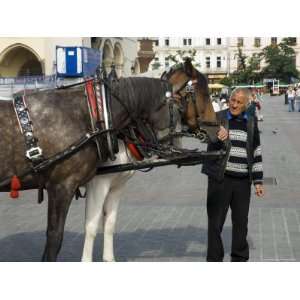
33,151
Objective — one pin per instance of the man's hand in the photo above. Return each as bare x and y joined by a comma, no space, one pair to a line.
259,190
222,134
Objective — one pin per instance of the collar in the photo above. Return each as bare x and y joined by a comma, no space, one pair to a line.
242,116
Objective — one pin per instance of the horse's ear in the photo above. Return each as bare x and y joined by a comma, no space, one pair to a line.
188,66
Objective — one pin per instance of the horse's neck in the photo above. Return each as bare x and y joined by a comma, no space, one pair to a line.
127,109
205,108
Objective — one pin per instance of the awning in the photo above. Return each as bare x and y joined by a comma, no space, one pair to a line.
216,86
249,86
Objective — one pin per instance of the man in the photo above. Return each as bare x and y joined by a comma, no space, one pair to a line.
230,178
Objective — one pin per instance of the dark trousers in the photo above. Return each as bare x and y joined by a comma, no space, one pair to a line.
234,193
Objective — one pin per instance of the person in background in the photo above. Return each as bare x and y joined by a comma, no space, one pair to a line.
298,97
215,104
291,98
257,103
224,104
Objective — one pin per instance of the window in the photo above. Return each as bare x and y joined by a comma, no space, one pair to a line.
167,42
156,64
274,40
218,61
240,42
167,64
207,62
219,41
187,42
292,41
257,42
156,43
256,61
207,42
239,64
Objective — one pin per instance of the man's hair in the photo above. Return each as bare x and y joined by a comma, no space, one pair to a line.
245,91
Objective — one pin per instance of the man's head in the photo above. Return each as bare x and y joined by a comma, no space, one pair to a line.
238,101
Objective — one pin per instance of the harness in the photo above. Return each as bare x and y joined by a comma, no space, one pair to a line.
98,97
139,136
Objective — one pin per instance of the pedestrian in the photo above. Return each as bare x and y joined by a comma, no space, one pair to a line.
230,177
224,104
291,98
215,104
298,97
257,104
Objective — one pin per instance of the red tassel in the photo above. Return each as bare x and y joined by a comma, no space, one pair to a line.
134,151
14,194
15,183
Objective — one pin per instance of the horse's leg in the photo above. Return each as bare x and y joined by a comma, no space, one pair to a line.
59,200
97,190
110,214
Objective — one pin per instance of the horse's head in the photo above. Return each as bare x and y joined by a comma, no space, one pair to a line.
190,88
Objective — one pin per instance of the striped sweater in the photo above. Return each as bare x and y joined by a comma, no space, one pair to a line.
237,164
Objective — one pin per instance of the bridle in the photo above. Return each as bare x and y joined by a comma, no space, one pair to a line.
187,95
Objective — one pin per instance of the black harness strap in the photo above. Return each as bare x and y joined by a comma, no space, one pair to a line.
49,162
33,151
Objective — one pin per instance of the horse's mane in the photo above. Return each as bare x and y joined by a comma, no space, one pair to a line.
202,84
140,94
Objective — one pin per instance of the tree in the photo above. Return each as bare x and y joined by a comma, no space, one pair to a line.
182,54
247,70
280,60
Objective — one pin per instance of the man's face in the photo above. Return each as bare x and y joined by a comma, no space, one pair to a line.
237,103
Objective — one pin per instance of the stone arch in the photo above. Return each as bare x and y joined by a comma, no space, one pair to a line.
96,42
20,60
136,68
107,55
118,59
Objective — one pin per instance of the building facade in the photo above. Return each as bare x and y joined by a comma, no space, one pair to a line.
215,56
37,56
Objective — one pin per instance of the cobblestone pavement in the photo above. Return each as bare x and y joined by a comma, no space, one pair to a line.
162,216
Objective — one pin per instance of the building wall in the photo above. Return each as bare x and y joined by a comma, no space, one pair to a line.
227,51
42,48
15,51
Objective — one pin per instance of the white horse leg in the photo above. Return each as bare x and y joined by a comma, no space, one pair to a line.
109,221
97,190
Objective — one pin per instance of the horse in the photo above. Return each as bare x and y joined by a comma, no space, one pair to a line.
60,118
104,191
103,195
